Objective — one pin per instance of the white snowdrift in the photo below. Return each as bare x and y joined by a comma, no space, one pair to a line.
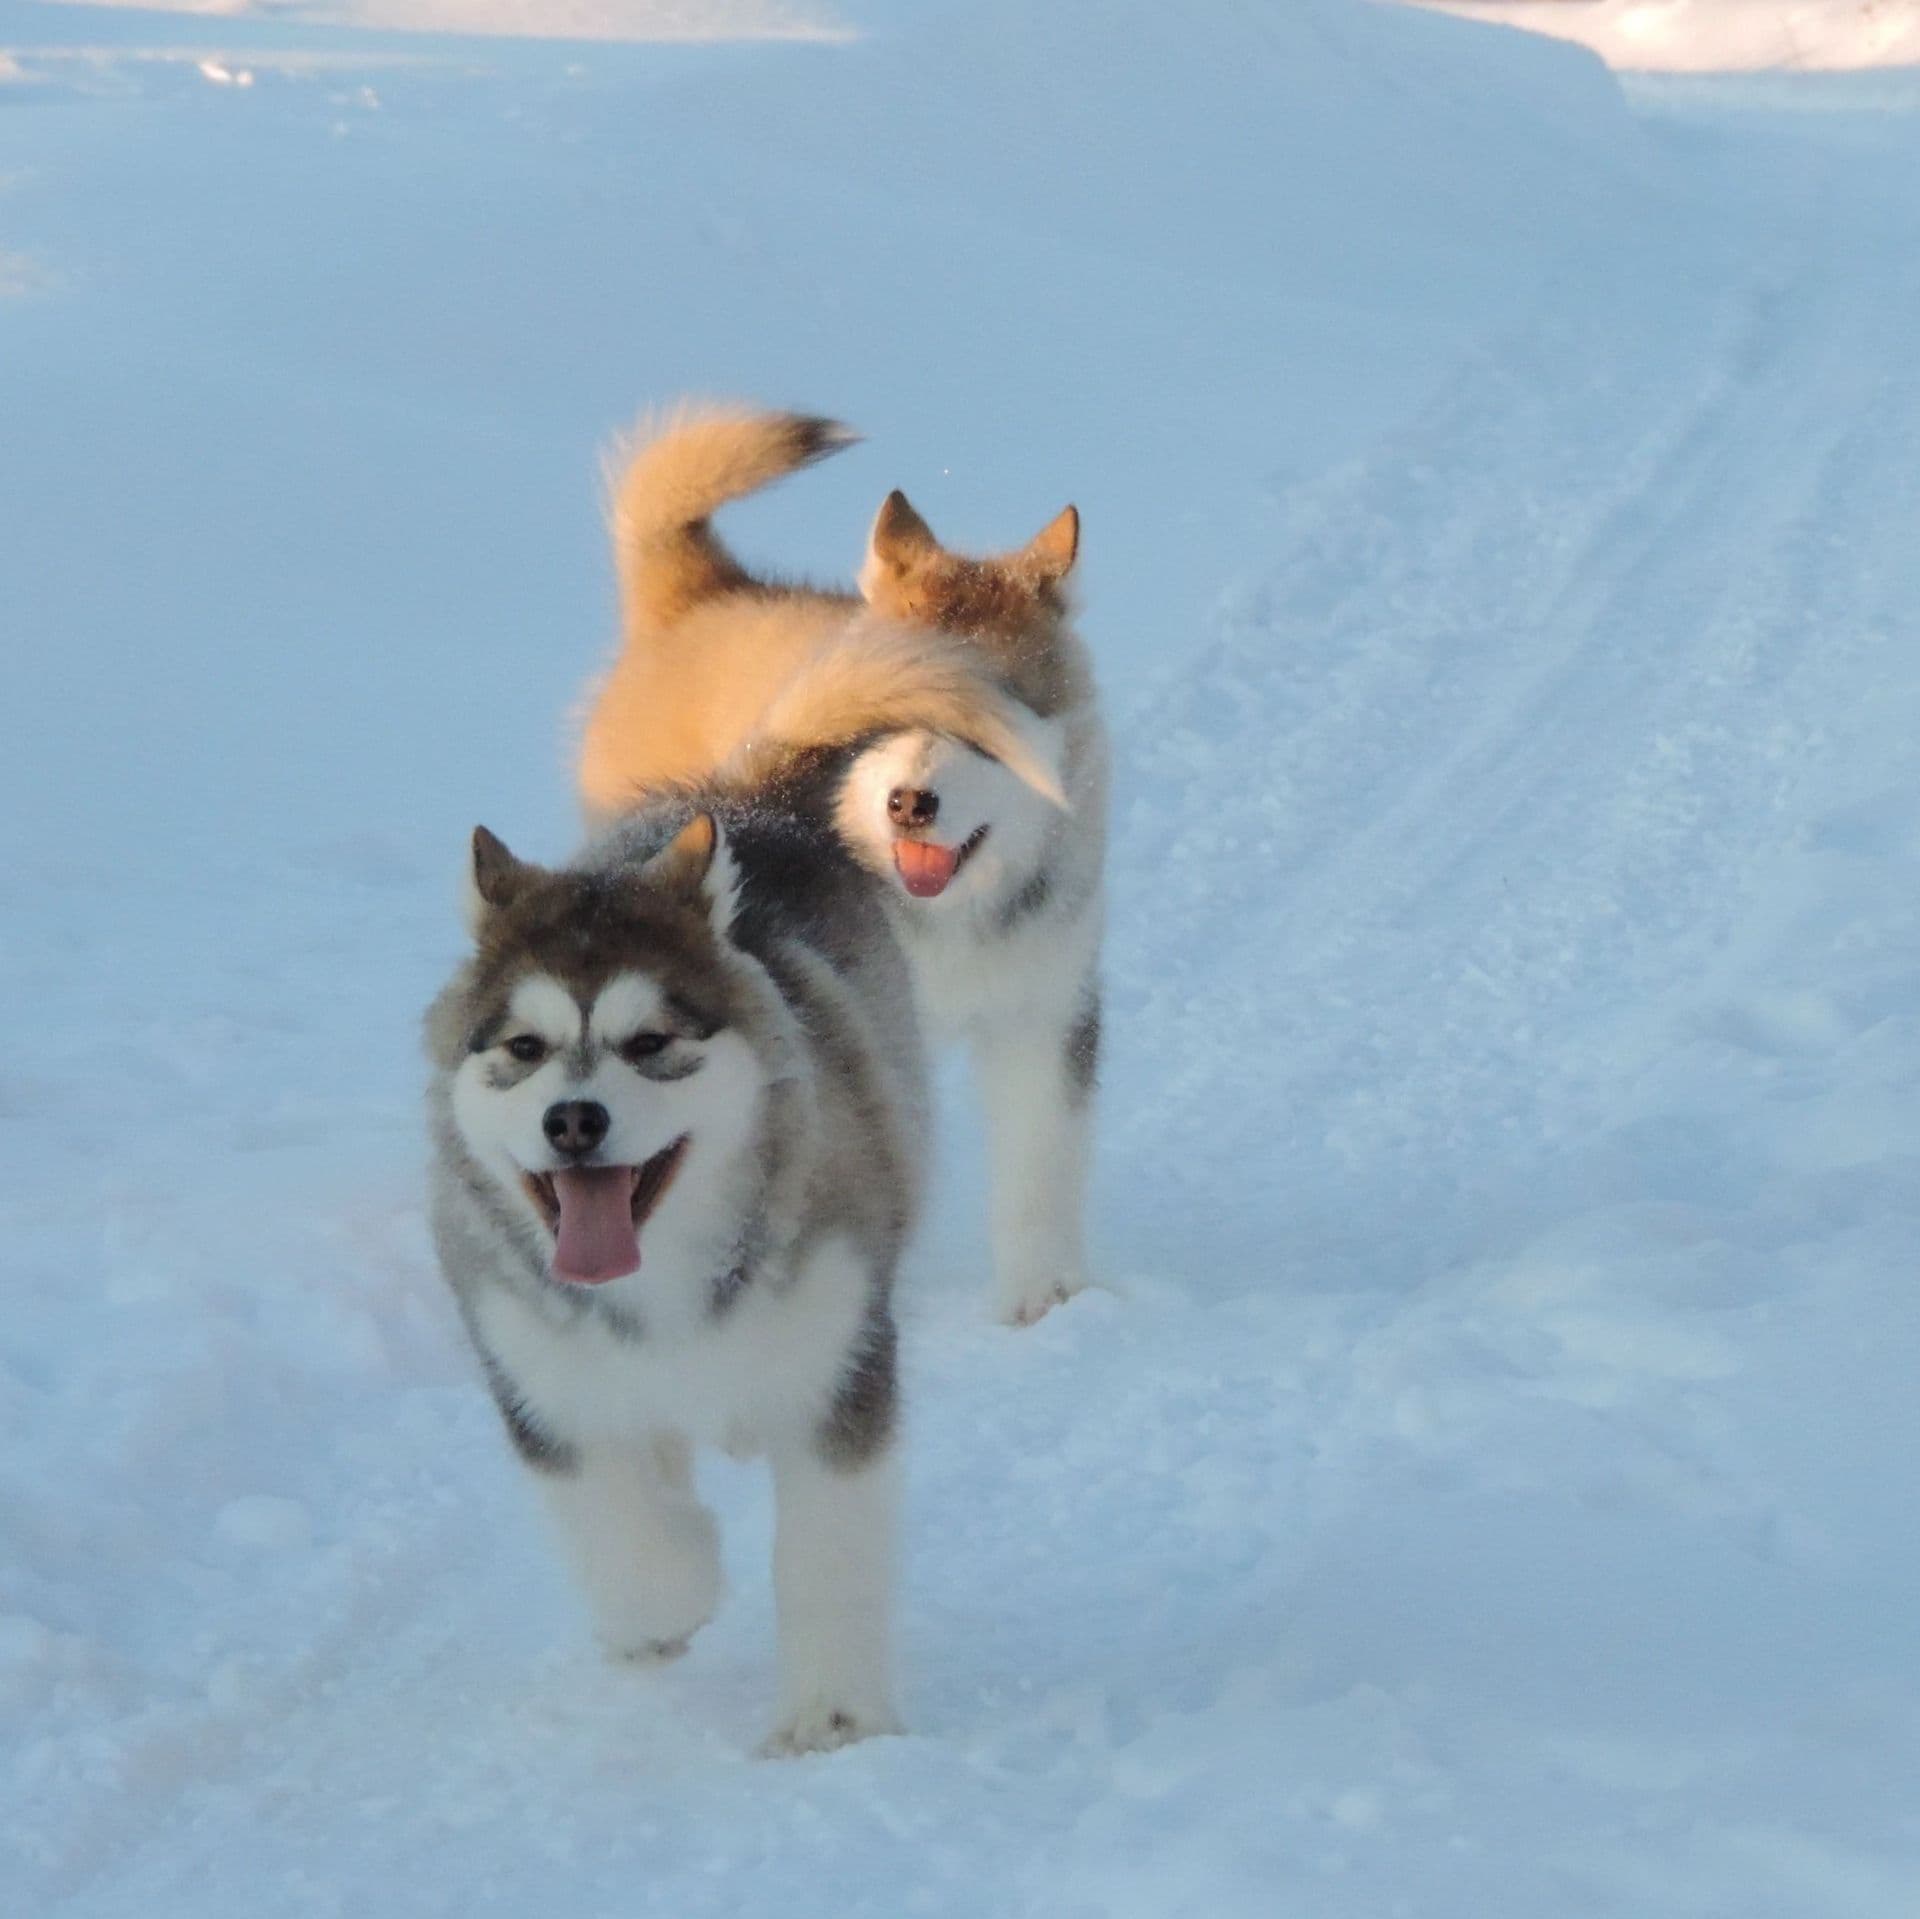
1720,36
637,20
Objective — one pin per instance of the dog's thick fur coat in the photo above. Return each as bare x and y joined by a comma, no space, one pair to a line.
714,661
971,776
702,1034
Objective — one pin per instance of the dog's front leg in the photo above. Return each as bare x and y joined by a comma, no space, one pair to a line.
645,1551
1036,1084
833,1586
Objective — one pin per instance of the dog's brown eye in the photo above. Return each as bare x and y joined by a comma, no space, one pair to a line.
527,1048
645,1045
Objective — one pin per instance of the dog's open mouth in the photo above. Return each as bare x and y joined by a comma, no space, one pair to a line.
595,1213
926,869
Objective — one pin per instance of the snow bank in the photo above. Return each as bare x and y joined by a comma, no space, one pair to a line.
1720,36
643,20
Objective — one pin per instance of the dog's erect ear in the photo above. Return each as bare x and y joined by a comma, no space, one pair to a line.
900,536
1052,551
494,879
697,866
682,865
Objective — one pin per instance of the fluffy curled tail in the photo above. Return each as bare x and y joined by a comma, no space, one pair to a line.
677,469
890,679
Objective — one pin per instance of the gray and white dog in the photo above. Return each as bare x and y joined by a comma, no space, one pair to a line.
700,1035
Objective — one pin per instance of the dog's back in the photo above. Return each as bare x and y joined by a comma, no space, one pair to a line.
704,644
715,661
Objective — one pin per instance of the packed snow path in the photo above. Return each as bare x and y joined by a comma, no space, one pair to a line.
1490,1487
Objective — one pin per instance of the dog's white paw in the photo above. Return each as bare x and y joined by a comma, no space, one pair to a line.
1034,1299
652,1613
824,1727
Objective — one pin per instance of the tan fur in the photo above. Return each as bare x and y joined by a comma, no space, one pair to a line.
715,664
886,679
674,472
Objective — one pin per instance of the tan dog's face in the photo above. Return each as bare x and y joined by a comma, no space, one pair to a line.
938,818
941,820
1017,597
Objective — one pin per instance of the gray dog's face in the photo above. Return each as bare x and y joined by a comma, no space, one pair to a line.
609,1050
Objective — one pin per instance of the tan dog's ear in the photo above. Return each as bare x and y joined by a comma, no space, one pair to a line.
900,536
1052,551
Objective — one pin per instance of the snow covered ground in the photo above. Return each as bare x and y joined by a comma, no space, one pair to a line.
1490,1485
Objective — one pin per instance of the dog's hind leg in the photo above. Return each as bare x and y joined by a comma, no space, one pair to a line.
1036,1083
645,1551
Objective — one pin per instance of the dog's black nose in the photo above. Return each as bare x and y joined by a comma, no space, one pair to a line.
575,1125
912,806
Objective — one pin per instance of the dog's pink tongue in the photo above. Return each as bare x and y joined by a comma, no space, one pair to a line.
924,868
597,1239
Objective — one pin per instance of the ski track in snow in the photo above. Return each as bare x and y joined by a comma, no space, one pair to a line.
1627,580
1489,1487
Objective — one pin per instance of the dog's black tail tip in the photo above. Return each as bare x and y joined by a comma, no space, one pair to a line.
816,438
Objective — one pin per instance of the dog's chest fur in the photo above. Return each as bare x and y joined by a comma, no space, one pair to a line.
760,1367
1025,944
970,974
